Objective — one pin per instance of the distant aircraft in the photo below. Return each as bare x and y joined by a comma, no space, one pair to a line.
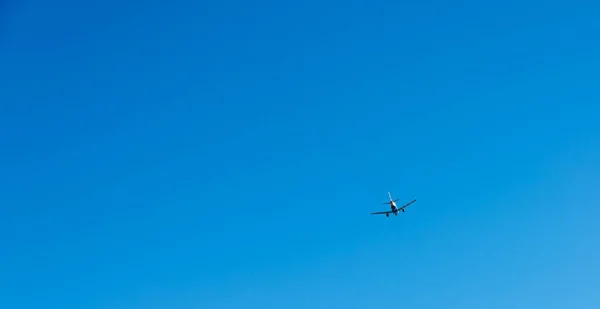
395,208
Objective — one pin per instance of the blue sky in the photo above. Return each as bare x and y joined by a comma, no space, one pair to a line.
203,155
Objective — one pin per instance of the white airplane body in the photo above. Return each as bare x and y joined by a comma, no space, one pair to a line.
393,206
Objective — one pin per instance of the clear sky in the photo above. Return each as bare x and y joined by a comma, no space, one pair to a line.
227,155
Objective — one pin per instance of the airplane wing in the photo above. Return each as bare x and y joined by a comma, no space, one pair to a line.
381,213
408,204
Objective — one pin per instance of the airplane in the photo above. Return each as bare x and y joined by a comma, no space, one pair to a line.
395,208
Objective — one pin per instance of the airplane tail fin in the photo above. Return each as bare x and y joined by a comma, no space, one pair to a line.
390,201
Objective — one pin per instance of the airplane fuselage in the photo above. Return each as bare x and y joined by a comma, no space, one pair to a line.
395,208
